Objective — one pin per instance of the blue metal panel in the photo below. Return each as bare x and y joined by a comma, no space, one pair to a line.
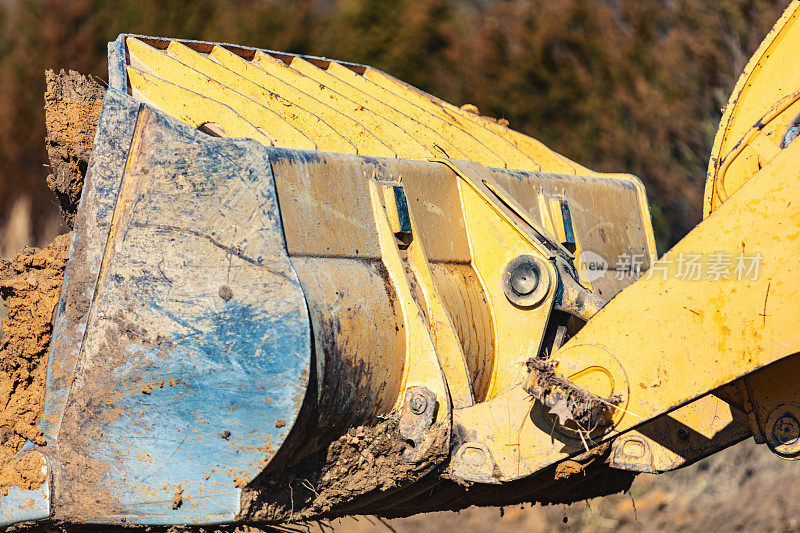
100,188
117,75
112,141
197,350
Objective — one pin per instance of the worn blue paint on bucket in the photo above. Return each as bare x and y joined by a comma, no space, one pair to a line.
191,362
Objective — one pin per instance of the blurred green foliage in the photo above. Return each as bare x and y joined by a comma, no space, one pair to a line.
618,85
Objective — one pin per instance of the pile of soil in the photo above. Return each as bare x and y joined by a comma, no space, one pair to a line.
72,104
30,284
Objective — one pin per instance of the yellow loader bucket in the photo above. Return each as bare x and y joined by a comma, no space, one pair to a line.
300,288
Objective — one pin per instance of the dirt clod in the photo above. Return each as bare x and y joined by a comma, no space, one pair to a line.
225,293
366,460
177,499
580,463
72,105
565,399
30,286
24,472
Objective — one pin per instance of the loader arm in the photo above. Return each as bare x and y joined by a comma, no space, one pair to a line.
300,288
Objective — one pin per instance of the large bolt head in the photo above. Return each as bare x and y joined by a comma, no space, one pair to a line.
782,430
786,430
526,280
418,404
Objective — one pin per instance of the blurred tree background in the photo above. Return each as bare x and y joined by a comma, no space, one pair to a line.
617,85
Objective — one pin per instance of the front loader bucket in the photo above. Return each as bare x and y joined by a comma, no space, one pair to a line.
181,348
299,288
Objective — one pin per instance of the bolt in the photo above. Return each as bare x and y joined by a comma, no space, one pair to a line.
524,279
683,434
786,430
418,404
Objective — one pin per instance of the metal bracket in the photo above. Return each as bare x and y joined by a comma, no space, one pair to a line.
473,462
631,452
416,418
574,298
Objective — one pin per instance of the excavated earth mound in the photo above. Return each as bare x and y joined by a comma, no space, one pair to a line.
30,284
72,105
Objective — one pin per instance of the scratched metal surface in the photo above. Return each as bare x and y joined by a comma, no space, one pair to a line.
197,349
113,138
117,77
100,189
